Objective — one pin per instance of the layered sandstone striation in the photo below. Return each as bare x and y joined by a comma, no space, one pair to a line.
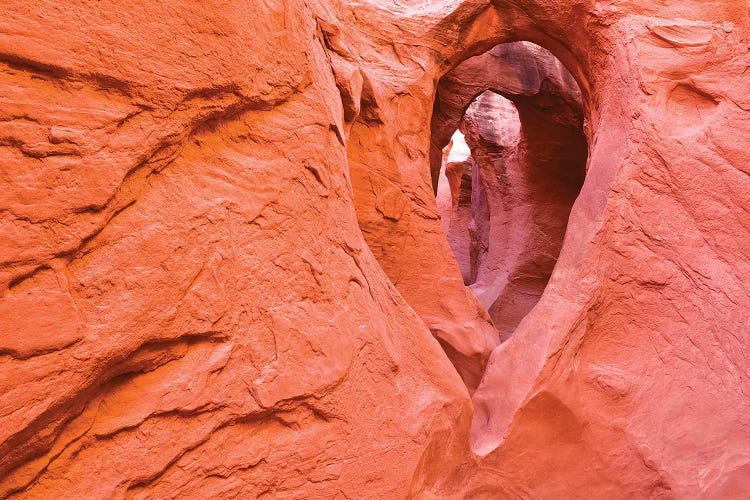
223,271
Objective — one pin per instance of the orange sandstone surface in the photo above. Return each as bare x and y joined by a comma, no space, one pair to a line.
224,272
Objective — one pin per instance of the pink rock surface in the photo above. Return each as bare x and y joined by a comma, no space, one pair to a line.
456,206
531,157
223,271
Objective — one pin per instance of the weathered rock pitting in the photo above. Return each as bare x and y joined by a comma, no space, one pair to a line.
223,272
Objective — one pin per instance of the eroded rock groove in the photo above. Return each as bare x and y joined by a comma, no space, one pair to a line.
223,271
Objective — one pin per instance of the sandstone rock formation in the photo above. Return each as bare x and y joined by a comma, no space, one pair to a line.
530,155
456,203
223,271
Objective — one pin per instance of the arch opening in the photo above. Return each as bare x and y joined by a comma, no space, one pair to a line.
508,159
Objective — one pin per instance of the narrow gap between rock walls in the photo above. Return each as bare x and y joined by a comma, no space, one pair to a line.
508,160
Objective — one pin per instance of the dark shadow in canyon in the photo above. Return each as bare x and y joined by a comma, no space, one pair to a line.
508,159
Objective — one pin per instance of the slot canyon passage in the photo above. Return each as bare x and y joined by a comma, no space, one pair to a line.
242,257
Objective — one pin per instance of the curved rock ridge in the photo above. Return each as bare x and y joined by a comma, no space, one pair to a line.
223,271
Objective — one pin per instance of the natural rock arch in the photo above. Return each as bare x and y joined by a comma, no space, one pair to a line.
617,58
529,180
193,310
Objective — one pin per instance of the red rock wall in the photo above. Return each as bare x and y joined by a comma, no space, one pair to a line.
223,271
189,307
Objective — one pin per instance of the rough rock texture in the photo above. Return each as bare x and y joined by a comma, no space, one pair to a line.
205,208
188,305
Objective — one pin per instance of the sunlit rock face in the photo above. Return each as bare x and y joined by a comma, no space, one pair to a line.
223,271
